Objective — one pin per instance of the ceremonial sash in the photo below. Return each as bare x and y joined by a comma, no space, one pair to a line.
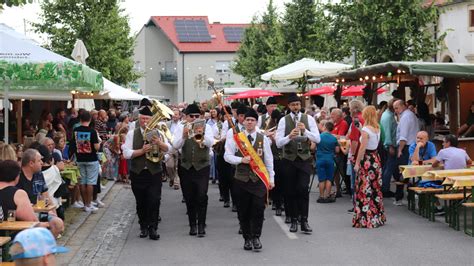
256,163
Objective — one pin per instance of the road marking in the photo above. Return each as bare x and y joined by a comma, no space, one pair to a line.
284,227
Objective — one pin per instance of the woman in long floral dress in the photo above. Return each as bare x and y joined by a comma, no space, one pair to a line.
368,207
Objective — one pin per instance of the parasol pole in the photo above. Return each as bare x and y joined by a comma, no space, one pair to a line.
6,106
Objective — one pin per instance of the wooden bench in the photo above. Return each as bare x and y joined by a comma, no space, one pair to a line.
467,205
4,241
425,200
452,214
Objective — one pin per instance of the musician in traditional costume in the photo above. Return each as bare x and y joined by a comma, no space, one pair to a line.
264,120
145,175
250,151
294,133
226,171
194,139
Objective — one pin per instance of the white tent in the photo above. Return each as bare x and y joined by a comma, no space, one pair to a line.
113,91
304,67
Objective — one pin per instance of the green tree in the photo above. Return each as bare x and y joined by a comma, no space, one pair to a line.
11,3
102,28
260,49
380,31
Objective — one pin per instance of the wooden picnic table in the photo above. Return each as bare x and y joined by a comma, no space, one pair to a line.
442,174
48,208
17,225
411,171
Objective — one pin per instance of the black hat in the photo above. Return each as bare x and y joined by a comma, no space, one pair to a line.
293,98
145,110
144,102
271,100
242,109
192,109
235,105
227,108
261,109
251,113
276,114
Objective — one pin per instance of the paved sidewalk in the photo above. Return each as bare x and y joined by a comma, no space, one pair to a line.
111,237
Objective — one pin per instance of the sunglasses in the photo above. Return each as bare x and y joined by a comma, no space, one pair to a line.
194,116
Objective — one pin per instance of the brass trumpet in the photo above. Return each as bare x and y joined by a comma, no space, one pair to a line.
197,135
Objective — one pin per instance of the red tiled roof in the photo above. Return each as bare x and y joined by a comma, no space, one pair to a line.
216,30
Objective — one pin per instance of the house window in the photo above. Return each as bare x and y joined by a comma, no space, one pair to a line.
471,18
222,67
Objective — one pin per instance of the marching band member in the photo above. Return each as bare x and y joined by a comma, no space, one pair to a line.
145,175
194,167
292,135
249,188
264,120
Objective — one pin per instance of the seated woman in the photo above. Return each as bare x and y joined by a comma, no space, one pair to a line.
467,129
451,156
423,151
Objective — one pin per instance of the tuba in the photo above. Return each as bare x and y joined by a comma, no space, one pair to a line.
156,127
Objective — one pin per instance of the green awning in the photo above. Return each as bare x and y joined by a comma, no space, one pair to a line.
449,70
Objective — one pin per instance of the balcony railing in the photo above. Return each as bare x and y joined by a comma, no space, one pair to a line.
168,76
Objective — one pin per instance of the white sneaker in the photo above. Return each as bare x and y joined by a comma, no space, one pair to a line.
90,209
97,203
398,203
78,204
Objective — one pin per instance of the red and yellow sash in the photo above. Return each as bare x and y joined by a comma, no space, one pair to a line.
256,163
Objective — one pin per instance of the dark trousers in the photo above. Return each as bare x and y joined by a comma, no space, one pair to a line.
389,168
340,173
147,191
250,208
297,177
226,176
402,160
277,192
194,185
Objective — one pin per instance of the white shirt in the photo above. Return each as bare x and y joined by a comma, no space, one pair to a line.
127,147
173,126
373,140
264,117
231,148
178,140
312,133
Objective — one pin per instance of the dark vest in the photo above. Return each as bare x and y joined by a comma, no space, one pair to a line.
139,163
7,201
290,150
194,156
243,171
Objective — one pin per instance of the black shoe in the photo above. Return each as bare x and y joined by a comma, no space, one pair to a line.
388,194
153,234
201,230
234,208
193,230
226,204
320,200
221,199
278,212
350,210
256,243
248,244
338,194
213,181
287,220
274,207
143,233
305,226
294,226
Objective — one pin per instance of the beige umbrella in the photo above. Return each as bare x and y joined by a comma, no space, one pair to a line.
80,54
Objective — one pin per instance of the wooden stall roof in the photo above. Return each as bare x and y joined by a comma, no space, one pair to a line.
450,70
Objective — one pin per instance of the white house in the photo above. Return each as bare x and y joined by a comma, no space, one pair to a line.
177,54
457,20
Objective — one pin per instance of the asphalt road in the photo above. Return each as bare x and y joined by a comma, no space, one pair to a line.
406,238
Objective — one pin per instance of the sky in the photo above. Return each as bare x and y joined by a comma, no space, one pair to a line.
139,11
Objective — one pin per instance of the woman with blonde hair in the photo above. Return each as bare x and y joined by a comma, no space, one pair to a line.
7,152
368,206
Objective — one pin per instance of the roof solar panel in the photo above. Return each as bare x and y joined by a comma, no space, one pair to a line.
189,30
233,34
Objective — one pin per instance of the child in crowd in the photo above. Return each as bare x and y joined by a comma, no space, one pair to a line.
123,164
325,152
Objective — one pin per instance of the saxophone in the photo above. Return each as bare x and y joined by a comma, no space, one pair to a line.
156,127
